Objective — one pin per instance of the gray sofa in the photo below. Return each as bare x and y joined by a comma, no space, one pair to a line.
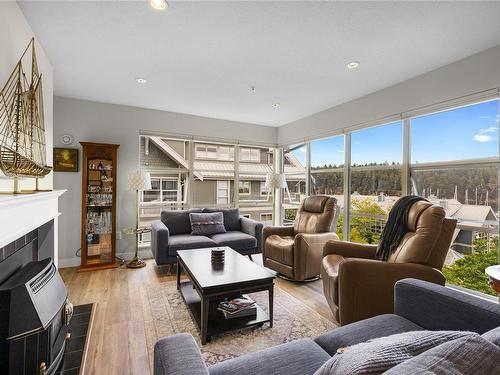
419,305
173,232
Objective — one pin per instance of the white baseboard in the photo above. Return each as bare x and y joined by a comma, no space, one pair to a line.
75,261
69,262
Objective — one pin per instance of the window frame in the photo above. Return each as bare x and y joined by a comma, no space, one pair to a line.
249,182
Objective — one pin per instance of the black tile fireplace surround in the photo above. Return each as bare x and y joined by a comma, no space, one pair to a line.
34,310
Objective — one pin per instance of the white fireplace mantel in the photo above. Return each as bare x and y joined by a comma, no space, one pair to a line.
22,213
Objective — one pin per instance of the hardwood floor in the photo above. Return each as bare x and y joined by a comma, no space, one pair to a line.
117,344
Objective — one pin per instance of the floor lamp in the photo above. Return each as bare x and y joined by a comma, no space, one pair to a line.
276,181
138,180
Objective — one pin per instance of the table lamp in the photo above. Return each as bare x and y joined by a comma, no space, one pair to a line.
138,180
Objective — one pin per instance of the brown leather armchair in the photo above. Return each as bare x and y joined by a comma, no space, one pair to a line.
296,251
357,286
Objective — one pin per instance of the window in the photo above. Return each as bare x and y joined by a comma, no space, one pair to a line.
266,217
263,190
452,160
295,161
376,174
222,192
169,190
226,153
167,193
163,189
209,183
249,154
214,152
327,171
469,132
246,215
454,163
245,188
252,176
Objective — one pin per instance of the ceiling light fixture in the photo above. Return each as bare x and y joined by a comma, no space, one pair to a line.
141,80
158,4
352,65
275,105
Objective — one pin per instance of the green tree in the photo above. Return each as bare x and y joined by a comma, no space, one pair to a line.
366,216
469,271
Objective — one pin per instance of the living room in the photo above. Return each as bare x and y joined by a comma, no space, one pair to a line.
268,187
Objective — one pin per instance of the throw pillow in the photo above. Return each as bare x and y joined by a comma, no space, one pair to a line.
493,336
466,356
379,355
231,217
205,224
178,222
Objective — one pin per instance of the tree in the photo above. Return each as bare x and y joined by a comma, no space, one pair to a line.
469,271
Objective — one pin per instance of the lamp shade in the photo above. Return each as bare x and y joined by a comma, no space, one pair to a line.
139,180
275,181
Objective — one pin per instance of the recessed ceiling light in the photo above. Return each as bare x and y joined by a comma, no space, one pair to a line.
141,80
352,65
275,105
158,4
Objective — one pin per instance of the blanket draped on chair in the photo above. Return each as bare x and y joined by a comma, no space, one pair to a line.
396,226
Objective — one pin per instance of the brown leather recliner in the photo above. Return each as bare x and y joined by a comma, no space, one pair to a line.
357,286
296,251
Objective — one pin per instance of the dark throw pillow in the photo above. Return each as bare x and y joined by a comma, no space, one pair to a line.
206,224
178,222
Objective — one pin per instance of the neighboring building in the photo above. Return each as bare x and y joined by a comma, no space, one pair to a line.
474,222
213,165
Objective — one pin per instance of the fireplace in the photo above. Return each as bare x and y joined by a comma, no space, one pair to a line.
34,309
34,318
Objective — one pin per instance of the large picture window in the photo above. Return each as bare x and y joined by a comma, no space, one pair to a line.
454,163
376,157
327,172
295,169
449,157
208,180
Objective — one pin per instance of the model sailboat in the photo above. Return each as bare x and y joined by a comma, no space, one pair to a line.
22,130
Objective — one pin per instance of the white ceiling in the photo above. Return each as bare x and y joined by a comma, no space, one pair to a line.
202,57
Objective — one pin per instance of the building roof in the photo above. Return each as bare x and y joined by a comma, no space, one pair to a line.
214,169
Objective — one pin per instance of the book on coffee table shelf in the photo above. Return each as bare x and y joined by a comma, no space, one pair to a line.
238,307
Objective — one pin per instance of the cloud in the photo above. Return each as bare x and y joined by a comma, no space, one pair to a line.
482,138
340,150
491,129
303,149
483,117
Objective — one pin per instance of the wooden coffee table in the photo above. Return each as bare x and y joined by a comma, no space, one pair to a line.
209,284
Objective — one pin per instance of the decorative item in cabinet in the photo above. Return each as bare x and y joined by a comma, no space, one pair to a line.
99,164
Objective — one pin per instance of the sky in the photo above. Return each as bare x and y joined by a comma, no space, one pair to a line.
463,133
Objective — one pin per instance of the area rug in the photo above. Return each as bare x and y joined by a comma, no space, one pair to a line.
165,314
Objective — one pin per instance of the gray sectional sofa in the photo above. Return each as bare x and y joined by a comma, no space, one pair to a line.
419,305
173,232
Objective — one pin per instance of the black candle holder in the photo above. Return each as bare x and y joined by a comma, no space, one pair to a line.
218,256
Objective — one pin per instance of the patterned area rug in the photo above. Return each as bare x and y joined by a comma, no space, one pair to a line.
165,314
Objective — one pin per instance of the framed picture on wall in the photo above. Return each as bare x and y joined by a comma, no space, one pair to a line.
65,159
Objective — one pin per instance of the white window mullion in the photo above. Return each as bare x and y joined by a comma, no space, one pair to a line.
347,185
405,172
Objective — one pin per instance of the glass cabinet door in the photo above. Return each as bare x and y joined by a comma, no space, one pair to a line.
98,244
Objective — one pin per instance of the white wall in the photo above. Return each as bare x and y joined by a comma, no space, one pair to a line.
109,123
15,34
465,77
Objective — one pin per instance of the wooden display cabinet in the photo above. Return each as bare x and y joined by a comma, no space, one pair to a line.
99,164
